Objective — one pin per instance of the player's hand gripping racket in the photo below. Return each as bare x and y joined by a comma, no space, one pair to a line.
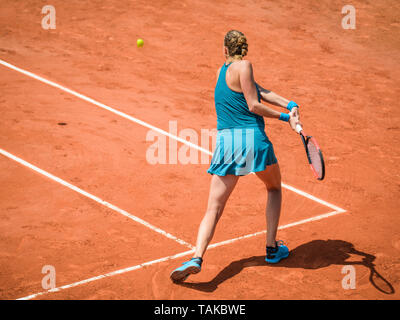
314,153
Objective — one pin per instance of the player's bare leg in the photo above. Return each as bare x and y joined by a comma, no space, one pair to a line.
272,180
271,177
220,189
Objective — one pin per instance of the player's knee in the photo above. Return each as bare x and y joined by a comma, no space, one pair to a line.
276,188
215,210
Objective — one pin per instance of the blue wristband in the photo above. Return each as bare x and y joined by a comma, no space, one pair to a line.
291,105
284,117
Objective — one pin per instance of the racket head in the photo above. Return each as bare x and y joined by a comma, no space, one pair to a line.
314,156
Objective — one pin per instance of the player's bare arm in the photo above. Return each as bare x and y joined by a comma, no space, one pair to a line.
249,89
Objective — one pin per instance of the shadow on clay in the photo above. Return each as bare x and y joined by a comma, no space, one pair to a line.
311,255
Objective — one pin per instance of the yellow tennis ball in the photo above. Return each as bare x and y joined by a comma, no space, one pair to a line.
140,42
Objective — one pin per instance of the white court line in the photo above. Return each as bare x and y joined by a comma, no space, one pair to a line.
182,254
319,217
103,106
145,124
90,196
110,274
133,119
311,197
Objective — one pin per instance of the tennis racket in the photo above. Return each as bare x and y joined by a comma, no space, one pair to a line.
314,153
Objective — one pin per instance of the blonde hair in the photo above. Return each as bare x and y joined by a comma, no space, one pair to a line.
236,43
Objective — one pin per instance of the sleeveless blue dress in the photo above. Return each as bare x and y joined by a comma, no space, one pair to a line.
242,146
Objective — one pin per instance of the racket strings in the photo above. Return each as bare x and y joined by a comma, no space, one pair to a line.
315,158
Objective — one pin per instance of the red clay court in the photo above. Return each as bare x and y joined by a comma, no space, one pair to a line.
78,193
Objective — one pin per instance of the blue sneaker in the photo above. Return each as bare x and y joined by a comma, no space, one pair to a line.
189,267
277,253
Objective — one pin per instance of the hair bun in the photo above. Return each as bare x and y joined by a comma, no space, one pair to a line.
244,47
236,43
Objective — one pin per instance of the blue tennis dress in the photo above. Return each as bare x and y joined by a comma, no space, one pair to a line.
242,145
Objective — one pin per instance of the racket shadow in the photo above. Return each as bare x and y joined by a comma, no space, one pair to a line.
315,254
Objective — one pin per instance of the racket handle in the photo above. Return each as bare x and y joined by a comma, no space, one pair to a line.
299,128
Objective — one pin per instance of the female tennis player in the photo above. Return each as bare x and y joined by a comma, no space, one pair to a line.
242,147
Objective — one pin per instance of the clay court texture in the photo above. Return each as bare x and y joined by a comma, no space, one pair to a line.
77,193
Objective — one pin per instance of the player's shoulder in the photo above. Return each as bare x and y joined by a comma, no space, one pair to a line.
244,66
245,62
